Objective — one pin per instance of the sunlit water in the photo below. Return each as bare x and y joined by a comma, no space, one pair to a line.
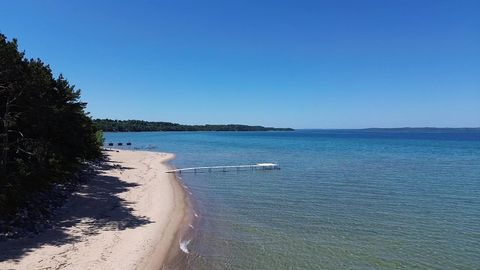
342,200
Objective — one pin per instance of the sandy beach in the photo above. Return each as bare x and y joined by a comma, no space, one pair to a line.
129,216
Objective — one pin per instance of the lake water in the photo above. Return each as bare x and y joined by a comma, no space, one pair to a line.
342,199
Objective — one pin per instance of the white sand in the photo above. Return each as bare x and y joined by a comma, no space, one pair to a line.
128,217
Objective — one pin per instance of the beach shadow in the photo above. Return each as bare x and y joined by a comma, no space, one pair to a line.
94,207
111,165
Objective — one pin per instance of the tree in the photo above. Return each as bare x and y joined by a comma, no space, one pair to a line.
45,132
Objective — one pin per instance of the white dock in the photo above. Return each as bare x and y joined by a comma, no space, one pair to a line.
261,166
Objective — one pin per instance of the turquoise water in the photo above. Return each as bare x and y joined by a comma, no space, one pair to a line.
342,200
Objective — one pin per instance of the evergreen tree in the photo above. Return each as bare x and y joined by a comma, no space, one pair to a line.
45,133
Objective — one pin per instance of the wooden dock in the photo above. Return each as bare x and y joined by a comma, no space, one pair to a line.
258,166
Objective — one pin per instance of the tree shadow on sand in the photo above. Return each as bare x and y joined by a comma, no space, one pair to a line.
94,207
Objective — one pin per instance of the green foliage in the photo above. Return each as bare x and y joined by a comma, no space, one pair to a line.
99,138
138,125
45,133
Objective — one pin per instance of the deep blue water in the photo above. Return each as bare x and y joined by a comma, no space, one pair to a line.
342,200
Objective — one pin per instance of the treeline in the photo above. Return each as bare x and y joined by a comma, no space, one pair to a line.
45,133
138,125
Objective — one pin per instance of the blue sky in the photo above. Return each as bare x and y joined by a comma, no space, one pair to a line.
301,64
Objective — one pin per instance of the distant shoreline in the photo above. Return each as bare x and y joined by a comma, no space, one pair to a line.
109,125
401,129
199,131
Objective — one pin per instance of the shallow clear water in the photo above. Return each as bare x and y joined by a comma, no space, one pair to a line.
343,199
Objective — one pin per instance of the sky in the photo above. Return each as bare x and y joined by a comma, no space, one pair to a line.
300,64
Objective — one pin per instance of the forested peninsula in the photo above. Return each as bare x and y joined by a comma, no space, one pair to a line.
109,125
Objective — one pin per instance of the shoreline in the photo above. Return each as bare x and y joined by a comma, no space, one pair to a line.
168,253
130,215
177,254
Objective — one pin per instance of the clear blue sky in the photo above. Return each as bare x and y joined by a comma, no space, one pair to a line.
301,64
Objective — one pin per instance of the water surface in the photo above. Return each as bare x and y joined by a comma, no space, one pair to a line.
342,200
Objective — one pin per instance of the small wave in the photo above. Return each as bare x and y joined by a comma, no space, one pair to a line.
184,245
195,214
191,226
